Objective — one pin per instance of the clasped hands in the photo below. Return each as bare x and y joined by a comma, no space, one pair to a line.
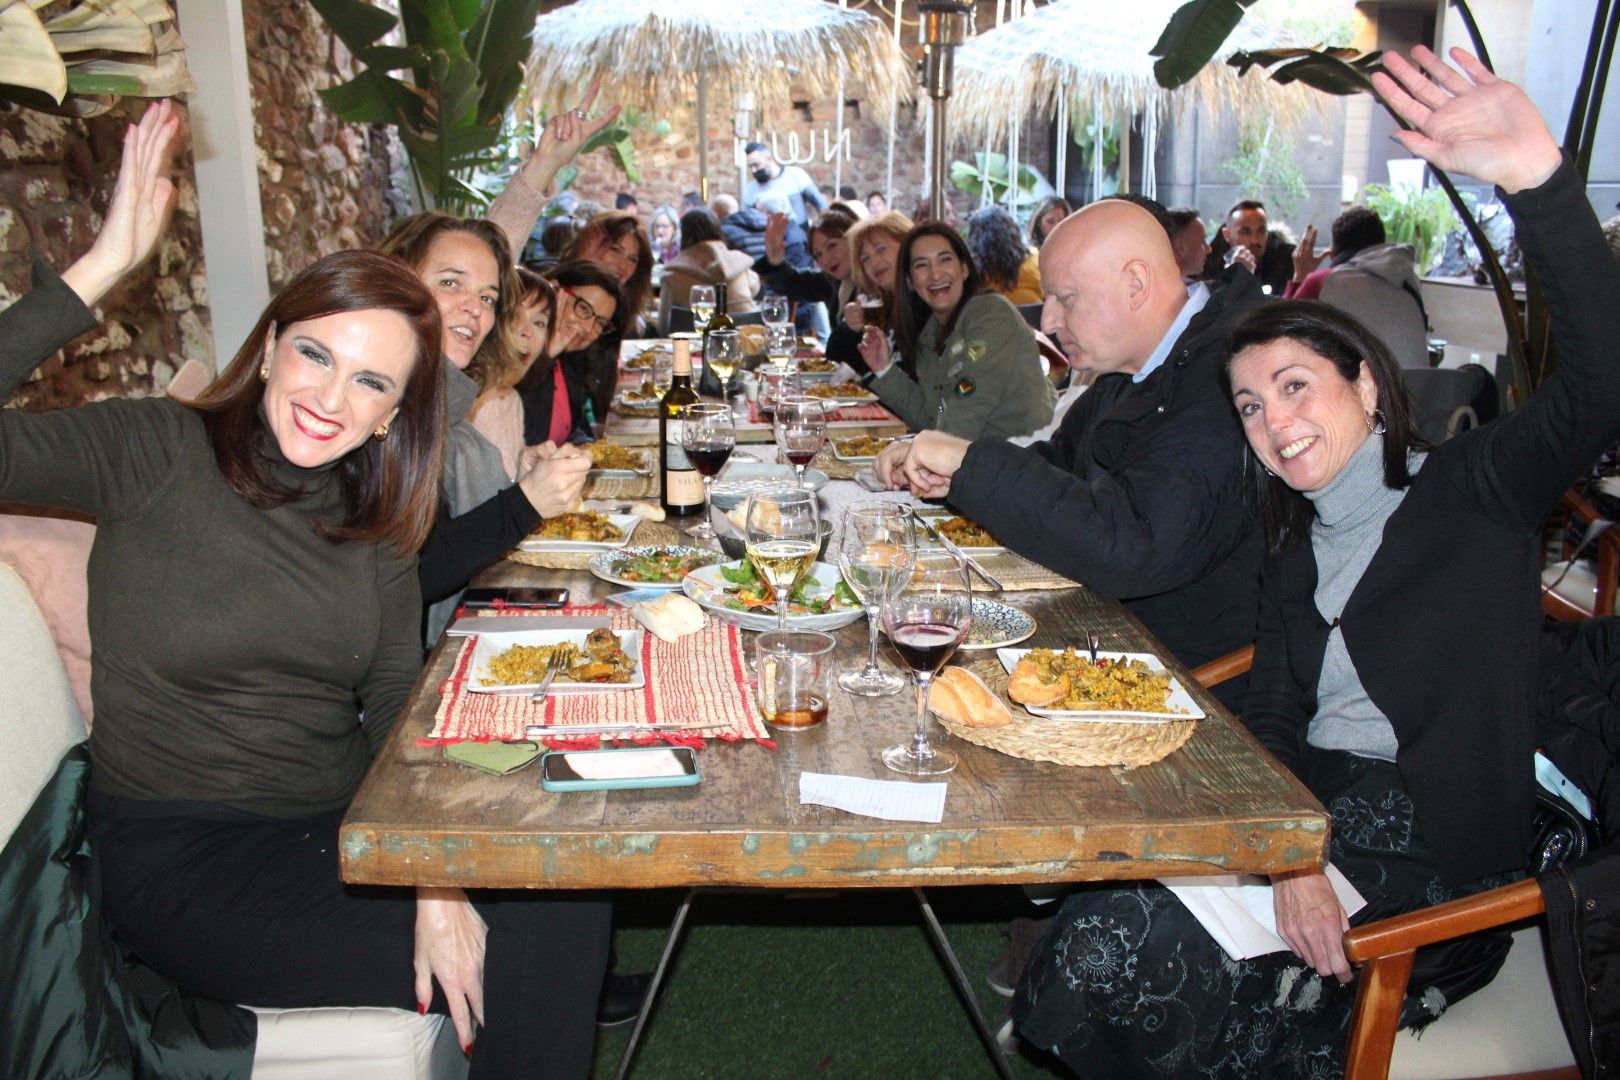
924,464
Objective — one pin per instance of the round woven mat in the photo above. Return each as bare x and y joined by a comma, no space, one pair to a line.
648,534
1065,741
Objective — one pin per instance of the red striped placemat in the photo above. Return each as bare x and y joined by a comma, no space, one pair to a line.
700,678
849,414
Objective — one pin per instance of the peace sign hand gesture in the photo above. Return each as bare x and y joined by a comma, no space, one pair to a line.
562,137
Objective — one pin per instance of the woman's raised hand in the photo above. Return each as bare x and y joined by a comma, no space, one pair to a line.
874,349
776,227
450,948
140,206
562,137
1468,121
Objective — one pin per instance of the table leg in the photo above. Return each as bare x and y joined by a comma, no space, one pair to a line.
645,1015
964,989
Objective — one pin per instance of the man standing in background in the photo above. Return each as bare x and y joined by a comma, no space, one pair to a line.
765,175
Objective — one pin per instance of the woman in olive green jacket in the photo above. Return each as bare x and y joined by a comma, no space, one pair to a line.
978,368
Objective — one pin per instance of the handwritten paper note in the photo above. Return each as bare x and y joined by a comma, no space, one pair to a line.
892,800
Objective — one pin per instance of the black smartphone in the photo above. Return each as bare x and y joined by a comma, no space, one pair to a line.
613,770
517,597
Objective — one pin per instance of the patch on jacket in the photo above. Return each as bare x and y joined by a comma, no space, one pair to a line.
964,387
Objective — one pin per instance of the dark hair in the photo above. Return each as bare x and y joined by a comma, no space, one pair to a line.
390,486
697,225
1181,217
412,237
880,195
1355,230
833,223
691,199
1346,344
847,192
910,311
1246,204
532,289
1152,206
611,225
1037,237
624,201
574,274
997,247
556,237
751,147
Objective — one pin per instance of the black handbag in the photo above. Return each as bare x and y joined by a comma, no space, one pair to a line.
1560,836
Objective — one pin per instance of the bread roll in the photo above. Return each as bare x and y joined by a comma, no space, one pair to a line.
961,697
647,511
670,617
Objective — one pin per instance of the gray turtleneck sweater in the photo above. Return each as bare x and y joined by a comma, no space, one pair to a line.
1350,515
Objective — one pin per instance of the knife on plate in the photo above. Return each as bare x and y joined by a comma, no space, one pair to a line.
951,547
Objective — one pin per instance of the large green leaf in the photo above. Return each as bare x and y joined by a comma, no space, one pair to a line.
1243,61
432,25
1326,73
371,97
393,58
357,24
1192,37
498,42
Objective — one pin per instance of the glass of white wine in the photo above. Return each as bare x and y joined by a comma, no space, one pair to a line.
701,301
782,530
722,354
779,347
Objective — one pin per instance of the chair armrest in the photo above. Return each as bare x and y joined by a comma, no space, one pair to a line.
1225,667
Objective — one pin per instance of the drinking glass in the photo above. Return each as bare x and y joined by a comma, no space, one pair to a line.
775,386
663,372
782,530
774,310
927,615
874,534
791,666
722,353
779,346
708,435
701,301
801,424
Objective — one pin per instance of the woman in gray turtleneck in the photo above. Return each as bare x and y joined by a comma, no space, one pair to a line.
1395,665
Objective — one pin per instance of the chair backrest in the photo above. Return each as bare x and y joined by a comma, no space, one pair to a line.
1031,314
1447,401
680,320
38,717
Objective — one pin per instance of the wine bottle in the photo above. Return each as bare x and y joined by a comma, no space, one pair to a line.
713,384
680,487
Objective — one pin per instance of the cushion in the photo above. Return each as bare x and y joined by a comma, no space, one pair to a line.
1511,1026
317,1044
38,717
50,550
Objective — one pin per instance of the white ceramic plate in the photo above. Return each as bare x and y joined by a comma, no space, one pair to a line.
740,479
626,474
934,518
847,402
491,645
1179,698
627,525
996,625
856,459
708,588
602,565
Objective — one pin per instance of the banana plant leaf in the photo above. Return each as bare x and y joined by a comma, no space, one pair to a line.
1331,71
27,57
1192,37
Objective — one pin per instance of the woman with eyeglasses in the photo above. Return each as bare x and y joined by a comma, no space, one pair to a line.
553,392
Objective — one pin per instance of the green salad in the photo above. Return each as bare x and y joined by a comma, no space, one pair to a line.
749,592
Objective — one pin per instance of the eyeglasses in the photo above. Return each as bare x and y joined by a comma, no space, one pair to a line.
583,309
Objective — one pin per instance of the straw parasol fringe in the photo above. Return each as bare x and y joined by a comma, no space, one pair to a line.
649,52
1090,50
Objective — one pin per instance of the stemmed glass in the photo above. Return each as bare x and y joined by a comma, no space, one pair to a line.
722,353
782,530
701,299
927,615
774,310
801,428
875,534
779,345
708,435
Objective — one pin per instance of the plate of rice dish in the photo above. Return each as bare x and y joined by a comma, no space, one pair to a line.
1121,688
594,661
581,530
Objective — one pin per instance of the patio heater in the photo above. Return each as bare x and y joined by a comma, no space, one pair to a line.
943,25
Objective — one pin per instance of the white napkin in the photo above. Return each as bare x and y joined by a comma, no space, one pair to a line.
1237,911
892,800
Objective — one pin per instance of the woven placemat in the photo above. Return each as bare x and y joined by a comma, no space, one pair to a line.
1018,574
617,487
698,680
1069,742
647,534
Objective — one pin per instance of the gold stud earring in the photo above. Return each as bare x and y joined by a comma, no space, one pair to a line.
381,433
264,373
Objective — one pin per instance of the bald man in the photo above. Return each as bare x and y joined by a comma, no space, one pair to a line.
1139,494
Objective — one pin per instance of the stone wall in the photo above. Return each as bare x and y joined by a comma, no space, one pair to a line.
324,184
56,177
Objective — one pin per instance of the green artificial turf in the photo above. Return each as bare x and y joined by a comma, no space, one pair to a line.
818,985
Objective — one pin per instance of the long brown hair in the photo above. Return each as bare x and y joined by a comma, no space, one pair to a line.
892,222
412,236
532,289
390,486
911,312
606,227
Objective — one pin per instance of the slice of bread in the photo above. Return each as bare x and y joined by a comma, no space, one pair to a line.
962,697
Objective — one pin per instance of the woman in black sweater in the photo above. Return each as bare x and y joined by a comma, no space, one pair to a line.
1396,663
830,284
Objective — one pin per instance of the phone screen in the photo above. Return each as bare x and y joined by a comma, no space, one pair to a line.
652,763
514,597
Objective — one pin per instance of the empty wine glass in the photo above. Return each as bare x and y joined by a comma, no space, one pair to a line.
927,615
722,353
701,300
779,346
782,530
874,534
774,310
708,435
801,428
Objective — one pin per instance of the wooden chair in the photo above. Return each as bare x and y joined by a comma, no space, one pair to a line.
1509,1028
1569,603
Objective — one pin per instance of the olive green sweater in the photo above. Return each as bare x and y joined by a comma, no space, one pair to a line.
235,651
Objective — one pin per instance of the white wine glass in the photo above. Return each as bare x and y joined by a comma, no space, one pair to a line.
782,530
722,354
801,424
926,615
779,347
874,535
701,301
708,435
774,310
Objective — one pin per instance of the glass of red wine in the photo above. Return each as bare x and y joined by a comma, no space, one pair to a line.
708,435
801,428
926,613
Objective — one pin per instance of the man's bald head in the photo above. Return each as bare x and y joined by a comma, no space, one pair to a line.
1112,286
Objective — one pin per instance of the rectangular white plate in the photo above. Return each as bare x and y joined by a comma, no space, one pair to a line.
626,522
860,459
1179,698
927,543
626,474
492,645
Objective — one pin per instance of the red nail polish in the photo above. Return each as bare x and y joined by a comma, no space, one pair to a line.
467,1049
421,1008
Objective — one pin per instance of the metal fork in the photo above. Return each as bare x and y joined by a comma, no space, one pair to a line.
557,662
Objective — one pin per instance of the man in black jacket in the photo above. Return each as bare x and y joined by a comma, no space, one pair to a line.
1140,493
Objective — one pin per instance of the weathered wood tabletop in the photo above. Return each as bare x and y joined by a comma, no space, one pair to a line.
1219,804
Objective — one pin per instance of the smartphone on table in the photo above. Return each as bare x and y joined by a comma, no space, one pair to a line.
513,597
612,770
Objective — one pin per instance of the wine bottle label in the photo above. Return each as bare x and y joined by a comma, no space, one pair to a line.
684,488
674,453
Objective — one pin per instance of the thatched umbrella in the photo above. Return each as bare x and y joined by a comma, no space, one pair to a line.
1095,53
650,53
